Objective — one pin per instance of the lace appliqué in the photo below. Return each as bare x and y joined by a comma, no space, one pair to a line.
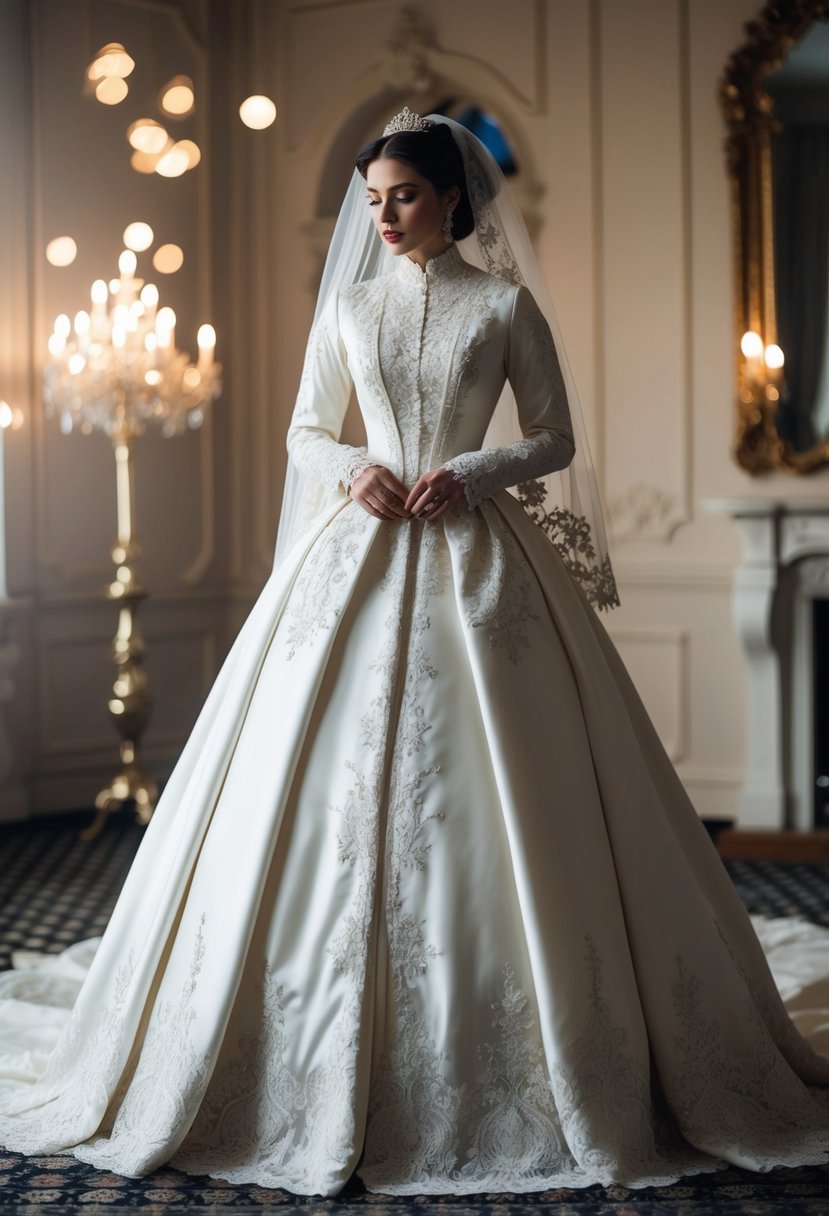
571,537
430,339
492,469
797,1050
151,1103
258,1123
496,252
317,597
496,590
334,465
426,1133
83,1070
520,1128
752,1100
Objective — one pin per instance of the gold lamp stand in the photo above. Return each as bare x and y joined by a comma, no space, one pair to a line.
117,372
130,705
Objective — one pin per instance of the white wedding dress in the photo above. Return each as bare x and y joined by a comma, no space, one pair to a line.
424,896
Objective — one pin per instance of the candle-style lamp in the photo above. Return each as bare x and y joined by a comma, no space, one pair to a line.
762,370
115,369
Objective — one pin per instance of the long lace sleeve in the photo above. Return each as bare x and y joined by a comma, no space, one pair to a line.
322,400
534,372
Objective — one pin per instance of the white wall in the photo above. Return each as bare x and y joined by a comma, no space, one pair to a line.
612,107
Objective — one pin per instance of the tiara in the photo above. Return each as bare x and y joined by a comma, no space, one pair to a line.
407,120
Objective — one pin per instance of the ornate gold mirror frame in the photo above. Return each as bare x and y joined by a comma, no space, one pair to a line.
748,110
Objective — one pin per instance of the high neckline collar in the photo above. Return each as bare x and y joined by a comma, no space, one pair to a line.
441,265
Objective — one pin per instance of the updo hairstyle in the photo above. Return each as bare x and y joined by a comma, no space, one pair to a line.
435,156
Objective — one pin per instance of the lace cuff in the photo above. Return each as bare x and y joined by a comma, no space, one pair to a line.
357,464
333,464
493,469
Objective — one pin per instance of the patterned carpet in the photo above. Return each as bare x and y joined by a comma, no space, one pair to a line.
56,889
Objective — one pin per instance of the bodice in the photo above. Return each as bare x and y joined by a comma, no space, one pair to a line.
420,340
427,352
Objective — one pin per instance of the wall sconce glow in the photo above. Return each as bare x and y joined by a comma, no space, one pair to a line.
61,251
177,98
111,60
167,259
173,163
257,112
774,356
147,135
751,344
138,236
11,419
111,90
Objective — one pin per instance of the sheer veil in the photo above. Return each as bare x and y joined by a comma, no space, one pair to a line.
566,504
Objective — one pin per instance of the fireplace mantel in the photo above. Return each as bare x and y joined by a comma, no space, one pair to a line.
776,534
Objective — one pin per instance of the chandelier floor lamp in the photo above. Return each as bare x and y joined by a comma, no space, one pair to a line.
116,370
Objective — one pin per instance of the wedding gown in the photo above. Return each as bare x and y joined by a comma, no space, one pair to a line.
424,896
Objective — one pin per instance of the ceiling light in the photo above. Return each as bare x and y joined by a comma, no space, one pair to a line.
62,251
257,112
138,236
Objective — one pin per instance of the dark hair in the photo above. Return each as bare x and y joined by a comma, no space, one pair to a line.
435,156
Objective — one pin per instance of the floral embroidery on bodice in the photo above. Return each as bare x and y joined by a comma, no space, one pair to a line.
428,351
425,315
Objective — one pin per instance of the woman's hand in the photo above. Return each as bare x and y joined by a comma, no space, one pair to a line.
378,492
435,493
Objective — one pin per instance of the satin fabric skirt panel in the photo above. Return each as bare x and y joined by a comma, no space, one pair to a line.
424,898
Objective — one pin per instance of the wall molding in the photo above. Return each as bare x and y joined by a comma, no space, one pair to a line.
676,644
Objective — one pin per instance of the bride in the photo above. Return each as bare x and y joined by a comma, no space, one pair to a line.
424,897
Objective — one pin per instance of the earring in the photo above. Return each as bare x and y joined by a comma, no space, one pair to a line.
447,227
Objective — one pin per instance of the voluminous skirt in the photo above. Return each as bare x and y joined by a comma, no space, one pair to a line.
424,897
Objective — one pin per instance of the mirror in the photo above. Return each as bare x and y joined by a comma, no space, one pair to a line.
775,96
